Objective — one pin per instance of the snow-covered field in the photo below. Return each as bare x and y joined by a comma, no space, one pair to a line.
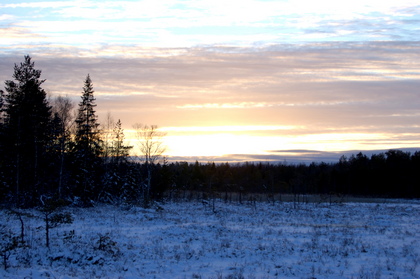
189,240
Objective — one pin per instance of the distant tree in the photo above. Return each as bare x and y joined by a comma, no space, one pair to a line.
415,175
397,173
27,127
119,151
115,178
88,143
114,148
151,146
108,191
63,121
360,174
107,127
63,107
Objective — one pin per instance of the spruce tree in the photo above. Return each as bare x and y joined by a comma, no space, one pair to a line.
115,169
88,144
26,129
119,151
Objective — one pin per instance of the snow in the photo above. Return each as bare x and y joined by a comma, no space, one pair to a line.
258,240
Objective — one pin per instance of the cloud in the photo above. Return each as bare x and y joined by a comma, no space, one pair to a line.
6,17
340,89
13,35
192,23
42,4
324,67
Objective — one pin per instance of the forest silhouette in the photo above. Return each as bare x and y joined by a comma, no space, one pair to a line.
46,151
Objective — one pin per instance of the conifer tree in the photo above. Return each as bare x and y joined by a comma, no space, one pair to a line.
88,143
27,120
119,151
115,178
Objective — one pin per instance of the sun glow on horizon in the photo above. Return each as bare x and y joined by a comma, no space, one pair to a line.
226,128
222,141
223,144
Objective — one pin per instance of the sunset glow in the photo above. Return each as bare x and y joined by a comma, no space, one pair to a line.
225,141
229,79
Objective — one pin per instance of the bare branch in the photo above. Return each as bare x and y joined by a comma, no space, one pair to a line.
149,142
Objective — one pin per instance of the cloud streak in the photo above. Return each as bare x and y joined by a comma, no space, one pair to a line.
190,23
362,85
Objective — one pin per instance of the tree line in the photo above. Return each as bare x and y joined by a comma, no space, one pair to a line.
50,148
53,148
392,174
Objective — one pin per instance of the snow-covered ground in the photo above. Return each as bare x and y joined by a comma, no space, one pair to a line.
189,240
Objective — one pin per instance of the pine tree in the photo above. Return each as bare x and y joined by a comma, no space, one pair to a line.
88,144
119,151
116,175
27,120
87,130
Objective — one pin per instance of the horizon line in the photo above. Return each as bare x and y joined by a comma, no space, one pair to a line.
297,156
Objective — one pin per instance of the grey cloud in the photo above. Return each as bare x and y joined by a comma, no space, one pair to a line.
319,85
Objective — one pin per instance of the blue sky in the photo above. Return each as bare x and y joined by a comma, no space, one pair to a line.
250,76
190,23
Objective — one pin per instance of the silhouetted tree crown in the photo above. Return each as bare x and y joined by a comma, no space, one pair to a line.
88,145
87,127
27,127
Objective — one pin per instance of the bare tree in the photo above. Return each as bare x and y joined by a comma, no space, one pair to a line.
62,109
107,135
151,147
64,106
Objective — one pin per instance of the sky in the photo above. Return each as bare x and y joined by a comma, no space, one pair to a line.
233,80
